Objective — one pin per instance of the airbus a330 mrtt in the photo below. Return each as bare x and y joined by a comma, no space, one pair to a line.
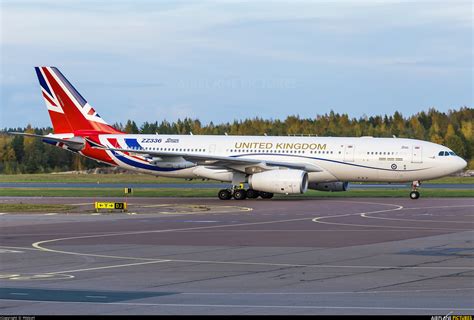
265,165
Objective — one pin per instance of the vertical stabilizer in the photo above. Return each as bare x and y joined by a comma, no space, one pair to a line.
68,110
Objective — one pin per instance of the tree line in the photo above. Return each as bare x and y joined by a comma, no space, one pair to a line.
453,129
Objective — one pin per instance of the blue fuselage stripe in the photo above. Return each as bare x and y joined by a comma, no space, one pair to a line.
140,165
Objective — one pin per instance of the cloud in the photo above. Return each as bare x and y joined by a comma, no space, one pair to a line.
177,56
118,23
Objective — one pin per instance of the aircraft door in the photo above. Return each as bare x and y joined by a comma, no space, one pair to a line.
212,149
349,151
416,154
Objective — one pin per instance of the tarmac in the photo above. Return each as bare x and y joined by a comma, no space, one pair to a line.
205,256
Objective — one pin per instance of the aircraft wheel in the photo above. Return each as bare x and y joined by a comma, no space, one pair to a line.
266,195
224,194
240,194
252,194
414,195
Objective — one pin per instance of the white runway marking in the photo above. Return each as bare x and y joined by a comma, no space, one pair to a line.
35,277
366,215
325,292
415,220
108,267
24,248
440,207
305,230
321,265
40,245
10,251
247,306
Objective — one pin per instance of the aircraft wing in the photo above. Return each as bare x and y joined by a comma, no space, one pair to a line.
239,164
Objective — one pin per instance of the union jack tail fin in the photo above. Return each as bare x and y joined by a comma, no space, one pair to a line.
68,110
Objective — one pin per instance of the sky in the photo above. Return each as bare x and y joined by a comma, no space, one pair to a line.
221,61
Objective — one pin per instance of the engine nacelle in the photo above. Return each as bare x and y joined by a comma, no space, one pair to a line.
280,181
329,186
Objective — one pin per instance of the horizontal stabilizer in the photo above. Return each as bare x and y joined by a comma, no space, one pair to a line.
75,143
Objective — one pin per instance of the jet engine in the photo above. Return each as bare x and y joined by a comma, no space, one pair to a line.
280,181
329,186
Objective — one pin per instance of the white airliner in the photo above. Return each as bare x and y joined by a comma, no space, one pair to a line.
268,165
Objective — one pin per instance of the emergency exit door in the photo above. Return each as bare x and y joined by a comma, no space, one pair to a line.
212,149
416,154
349,151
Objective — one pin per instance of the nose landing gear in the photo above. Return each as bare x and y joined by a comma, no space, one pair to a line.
414,194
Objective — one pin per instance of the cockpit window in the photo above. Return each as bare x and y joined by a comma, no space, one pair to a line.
446,153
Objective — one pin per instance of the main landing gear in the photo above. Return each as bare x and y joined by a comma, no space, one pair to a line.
414,194
241,194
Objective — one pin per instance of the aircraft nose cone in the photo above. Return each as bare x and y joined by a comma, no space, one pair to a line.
462,163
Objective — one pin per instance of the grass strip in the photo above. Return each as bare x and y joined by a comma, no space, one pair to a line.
28,207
